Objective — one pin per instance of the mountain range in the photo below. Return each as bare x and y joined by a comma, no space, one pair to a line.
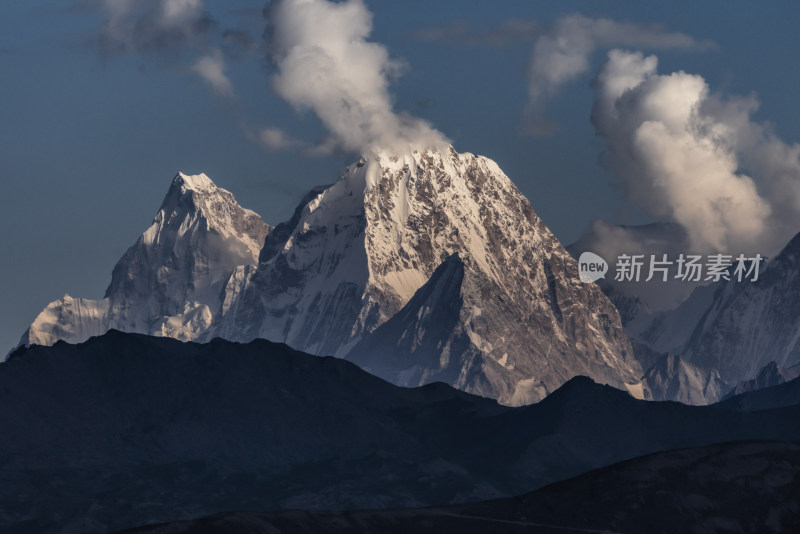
413,341
358,271
431,266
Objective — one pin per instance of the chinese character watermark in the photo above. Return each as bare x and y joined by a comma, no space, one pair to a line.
662,268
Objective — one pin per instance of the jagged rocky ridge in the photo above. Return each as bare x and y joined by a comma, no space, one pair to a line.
671,378
353,256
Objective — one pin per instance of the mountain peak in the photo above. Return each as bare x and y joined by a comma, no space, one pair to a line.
171,281
408,151
370,169
195,200
194,182
583,390
789,256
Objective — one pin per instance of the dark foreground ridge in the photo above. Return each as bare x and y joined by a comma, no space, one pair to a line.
127,430
688,490
786,394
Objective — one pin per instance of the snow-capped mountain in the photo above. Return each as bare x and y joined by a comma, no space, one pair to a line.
355,253
351,257
751,324
670,330
747,331
170,282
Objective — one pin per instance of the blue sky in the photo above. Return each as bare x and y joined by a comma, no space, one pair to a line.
89,141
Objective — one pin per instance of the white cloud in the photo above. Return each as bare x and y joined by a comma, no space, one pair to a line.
270,137
211,68
326,64
276,139
775,163
681,153
562,54
179,13
151,25
174,29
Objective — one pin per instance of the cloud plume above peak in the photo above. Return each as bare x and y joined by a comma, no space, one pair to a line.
326,64
695,158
